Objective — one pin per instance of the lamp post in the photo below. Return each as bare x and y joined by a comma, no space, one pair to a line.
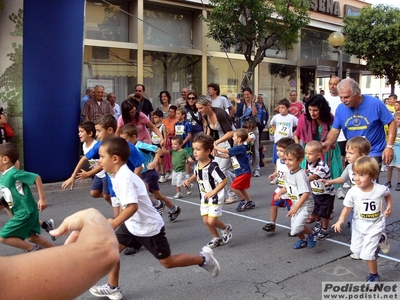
336,40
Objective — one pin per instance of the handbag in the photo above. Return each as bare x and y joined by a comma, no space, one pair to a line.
8,130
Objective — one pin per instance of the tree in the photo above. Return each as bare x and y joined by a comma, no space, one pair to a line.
373,36
256,25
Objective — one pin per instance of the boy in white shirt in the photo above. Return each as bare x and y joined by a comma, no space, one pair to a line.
139,223
366,198
283,125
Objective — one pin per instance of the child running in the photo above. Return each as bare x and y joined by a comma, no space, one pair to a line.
149,172
211,182
324,195
17,196
139,223
155,139
279,199
366,198
179,159
241,165
298,190
183,128
396,160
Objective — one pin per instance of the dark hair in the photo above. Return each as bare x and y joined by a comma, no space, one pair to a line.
126,107
178,138
393,96
168,96
88,126
206,141
187,103
285,102
106,121
173,107
129,129
284,142
158,113
11,151
247,89
139,84
215,87
323,105
117,146
295,150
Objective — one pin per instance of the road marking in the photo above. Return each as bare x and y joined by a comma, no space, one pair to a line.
282,226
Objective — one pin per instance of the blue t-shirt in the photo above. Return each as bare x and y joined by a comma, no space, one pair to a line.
182,129
240,160
147,151
367,120
135,160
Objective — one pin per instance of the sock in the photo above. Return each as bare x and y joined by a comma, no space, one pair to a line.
373,274
112,287
44,225
173,209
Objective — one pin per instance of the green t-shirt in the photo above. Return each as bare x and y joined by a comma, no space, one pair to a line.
179,158
15,185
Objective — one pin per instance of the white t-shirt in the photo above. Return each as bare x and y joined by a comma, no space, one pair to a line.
130,188
283,126
221,102
368,207
93,162
296,185
334,102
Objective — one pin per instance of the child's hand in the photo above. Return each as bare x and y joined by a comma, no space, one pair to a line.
186,183
277,197
388,211
66,183
82,175
151,166
293,211
42,204
190,160
325,181
272,176
208,195
337,226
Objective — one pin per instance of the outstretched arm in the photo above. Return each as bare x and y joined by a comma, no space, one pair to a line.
88,258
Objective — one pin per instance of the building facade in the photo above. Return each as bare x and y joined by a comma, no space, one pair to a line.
69,45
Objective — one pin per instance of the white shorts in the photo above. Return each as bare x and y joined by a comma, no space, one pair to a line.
364,245
299,220
211,210
178,178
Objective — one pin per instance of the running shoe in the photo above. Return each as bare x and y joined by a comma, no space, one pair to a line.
215,242
373,278
50,226
244,205
384,243
177,196
269,227
227,234
300,244
106,291
172,216
159,206
189,189
210,263
323,234
312,240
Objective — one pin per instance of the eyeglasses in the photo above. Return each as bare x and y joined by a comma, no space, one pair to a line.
191,98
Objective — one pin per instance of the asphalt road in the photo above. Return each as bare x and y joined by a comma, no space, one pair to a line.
254,265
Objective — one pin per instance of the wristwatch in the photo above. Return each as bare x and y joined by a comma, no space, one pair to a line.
390,146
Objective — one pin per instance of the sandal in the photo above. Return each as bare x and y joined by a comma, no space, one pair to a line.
230,200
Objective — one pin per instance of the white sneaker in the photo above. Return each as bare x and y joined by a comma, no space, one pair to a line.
274,181
210,264
189,189
340,194
162,179
256,173
384,243
384,168
215,242
353,256
106,291
168,176
227,234
177,196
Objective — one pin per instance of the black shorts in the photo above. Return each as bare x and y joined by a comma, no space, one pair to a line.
156,244
323,205
151,178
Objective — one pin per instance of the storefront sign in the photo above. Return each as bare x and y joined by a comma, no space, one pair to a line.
351,10
328,7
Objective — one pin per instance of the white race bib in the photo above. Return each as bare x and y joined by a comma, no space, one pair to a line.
369,209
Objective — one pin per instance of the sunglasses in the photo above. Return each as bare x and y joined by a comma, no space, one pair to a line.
191,98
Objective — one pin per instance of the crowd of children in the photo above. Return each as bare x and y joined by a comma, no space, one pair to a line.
126,170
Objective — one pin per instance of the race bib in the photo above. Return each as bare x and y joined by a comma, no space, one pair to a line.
293,194
179,129
235,162
317,187
283,129
155,139
369,209
281,178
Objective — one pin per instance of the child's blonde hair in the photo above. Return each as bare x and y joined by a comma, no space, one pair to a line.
367,165
317,145
397,114
359,143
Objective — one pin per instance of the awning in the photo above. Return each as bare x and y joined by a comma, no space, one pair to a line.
112,69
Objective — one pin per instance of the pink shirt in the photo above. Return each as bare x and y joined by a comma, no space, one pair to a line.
143,132
296,109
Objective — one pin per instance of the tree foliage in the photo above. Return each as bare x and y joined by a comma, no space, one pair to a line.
257,25
374,36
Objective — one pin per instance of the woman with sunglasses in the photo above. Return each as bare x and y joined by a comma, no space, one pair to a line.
193,115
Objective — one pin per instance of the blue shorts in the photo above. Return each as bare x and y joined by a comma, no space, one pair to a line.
100,184
151,178
274,154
